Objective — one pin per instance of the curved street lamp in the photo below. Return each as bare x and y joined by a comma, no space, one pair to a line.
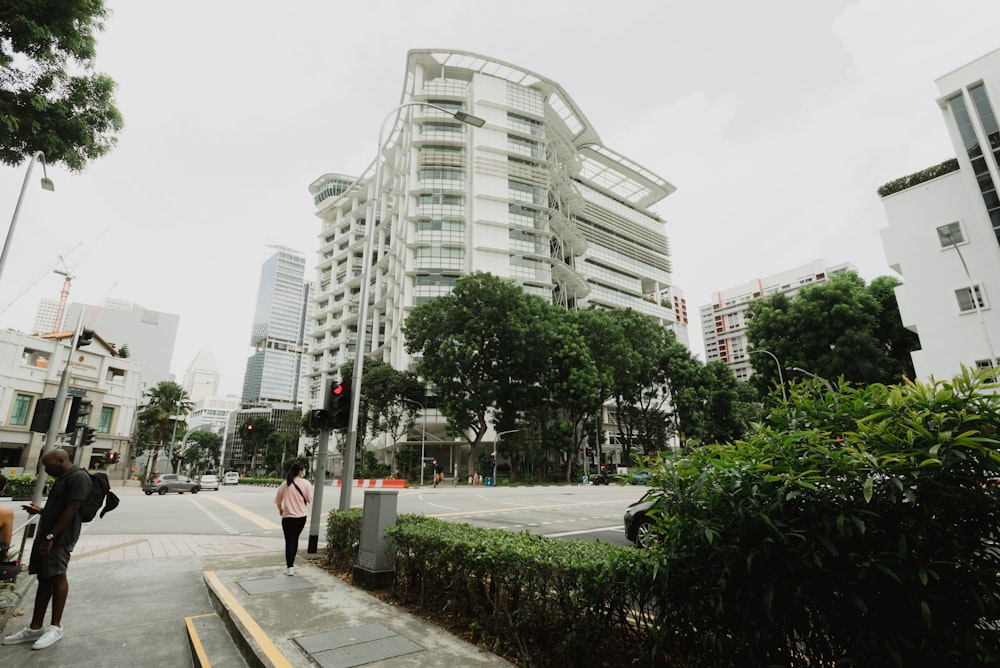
423,439
496,447
359,353
46,185
781,377
814,376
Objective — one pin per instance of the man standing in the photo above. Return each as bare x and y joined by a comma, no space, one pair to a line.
58,531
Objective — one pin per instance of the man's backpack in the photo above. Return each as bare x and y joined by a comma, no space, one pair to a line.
100,495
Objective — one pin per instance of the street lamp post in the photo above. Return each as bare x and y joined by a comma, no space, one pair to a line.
496,447
947,236
423,437
781,378
828,384
359,355
46,185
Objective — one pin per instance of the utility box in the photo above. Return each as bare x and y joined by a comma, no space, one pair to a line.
376,568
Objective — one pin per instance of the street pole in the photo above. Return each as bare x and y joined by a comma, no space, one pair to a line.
319,475
53,432
496,448
366,259
972,294
781,378
828,384
46,185
423,436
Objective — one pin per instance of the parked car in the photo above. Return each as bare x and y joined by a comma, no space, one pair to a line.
170,482
231,478
639,519
640,477
209,481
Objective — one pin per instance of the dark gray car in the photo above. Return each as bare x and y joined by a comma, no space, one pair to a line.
170,482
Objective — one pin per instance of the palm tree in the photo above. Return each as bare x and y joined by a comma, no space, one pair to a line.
164,403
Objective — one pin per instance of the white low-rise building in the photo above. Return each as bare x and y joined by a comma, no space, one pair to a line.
31,369
944,231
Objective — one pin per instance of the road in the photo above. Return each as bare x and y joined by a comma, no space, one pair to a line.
568,512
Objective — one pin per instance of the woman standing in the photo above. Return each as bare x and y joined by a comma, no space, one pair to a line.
293,496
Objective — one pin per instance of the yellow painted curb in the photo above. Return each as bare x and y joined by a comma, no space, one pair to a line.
267,646
199,649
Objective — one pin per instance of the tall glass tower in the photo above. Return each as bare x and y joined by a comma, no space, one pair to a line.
273,375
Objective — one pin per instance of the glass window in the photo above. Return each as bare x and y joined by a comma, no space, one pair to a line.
104,424
950,234
964,297
22,407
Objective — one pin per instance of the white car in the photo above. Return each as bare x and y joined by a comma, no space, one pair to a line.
209,481
232,478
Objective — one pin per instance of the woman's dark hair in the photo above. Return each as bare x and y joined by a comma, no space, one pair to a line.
3,481
293,471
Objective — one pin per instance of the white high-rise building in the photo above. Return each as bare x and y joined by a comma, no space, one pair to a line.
944,231
533,196
45,316
273,377
201,380
724,321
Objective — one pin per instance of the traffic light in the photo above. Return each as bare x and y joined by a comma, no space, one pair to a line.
338,405
87,436
111,457
43,415
86,336
79,413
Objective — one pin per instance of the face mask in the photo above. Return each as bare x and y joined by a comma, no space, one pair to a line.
53,470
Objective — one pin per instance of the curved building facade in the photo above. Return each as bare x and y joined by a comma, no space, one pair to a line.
532,196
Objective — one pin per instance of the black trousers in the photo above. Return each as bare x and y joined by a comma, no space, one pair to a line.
292,528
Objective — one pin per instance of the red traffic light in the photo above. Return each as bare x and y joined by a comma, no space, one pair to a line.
341,388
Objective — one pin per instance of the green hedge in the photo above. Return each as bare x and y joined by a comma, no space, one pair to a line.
20,487
546,601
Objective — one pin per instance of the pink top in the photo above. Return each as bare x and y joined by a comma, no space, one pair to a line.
291,502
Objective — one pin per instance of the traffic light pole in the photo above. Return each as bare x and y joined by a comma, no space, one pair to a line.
319,475
53,433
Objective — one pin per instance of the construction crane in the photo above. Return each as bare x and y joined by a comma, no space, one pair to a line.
63,270
41,275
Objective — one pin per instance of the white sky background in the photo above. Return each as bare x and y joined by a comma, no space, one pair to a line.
777,120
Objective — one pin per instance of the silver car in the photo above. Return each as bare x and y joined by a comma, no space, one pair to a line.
170,482
209,481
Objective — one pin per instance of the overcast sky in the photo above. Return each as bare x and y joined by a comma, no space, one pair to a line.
777,120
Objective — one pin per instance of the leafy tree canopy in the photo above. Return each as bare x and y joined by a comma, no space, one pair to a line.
51,100
838,328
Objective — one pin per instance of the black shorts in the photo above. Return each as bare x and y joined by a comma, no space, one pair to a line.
55,563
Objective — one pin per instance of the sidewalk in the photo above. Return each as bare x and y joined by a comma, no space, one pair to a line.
169,600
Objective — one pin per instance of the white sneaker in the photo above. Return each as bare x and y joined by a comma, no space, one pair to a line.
51,636
27,634
290,570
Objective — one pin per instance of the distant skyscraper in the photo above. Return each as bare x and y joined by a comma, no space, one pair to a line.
273,376
201,380
45,317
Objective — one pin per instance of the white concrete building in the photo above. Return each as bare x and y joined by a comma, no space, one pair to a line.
724,321
148,335
533,196
944,231
31,369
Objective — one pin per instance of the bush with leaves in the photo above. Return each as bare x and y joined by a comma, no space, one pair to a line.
855,528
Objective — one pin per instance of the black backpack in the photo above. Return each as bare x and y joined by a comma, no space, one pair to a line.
100,495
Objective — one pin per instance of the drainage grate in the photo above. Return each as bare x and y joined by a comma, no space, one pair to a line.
356,646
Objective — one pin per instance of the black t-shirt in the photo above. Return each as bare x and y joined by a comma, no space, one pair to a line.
74,485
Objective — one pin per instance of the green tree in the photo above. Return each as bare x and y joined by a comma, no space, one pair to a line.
203,451
390,395
473,346
156,421
255,433
838,328
51,100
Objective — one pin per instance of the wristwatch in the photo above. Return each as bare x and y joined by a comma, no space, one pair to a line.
50,536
